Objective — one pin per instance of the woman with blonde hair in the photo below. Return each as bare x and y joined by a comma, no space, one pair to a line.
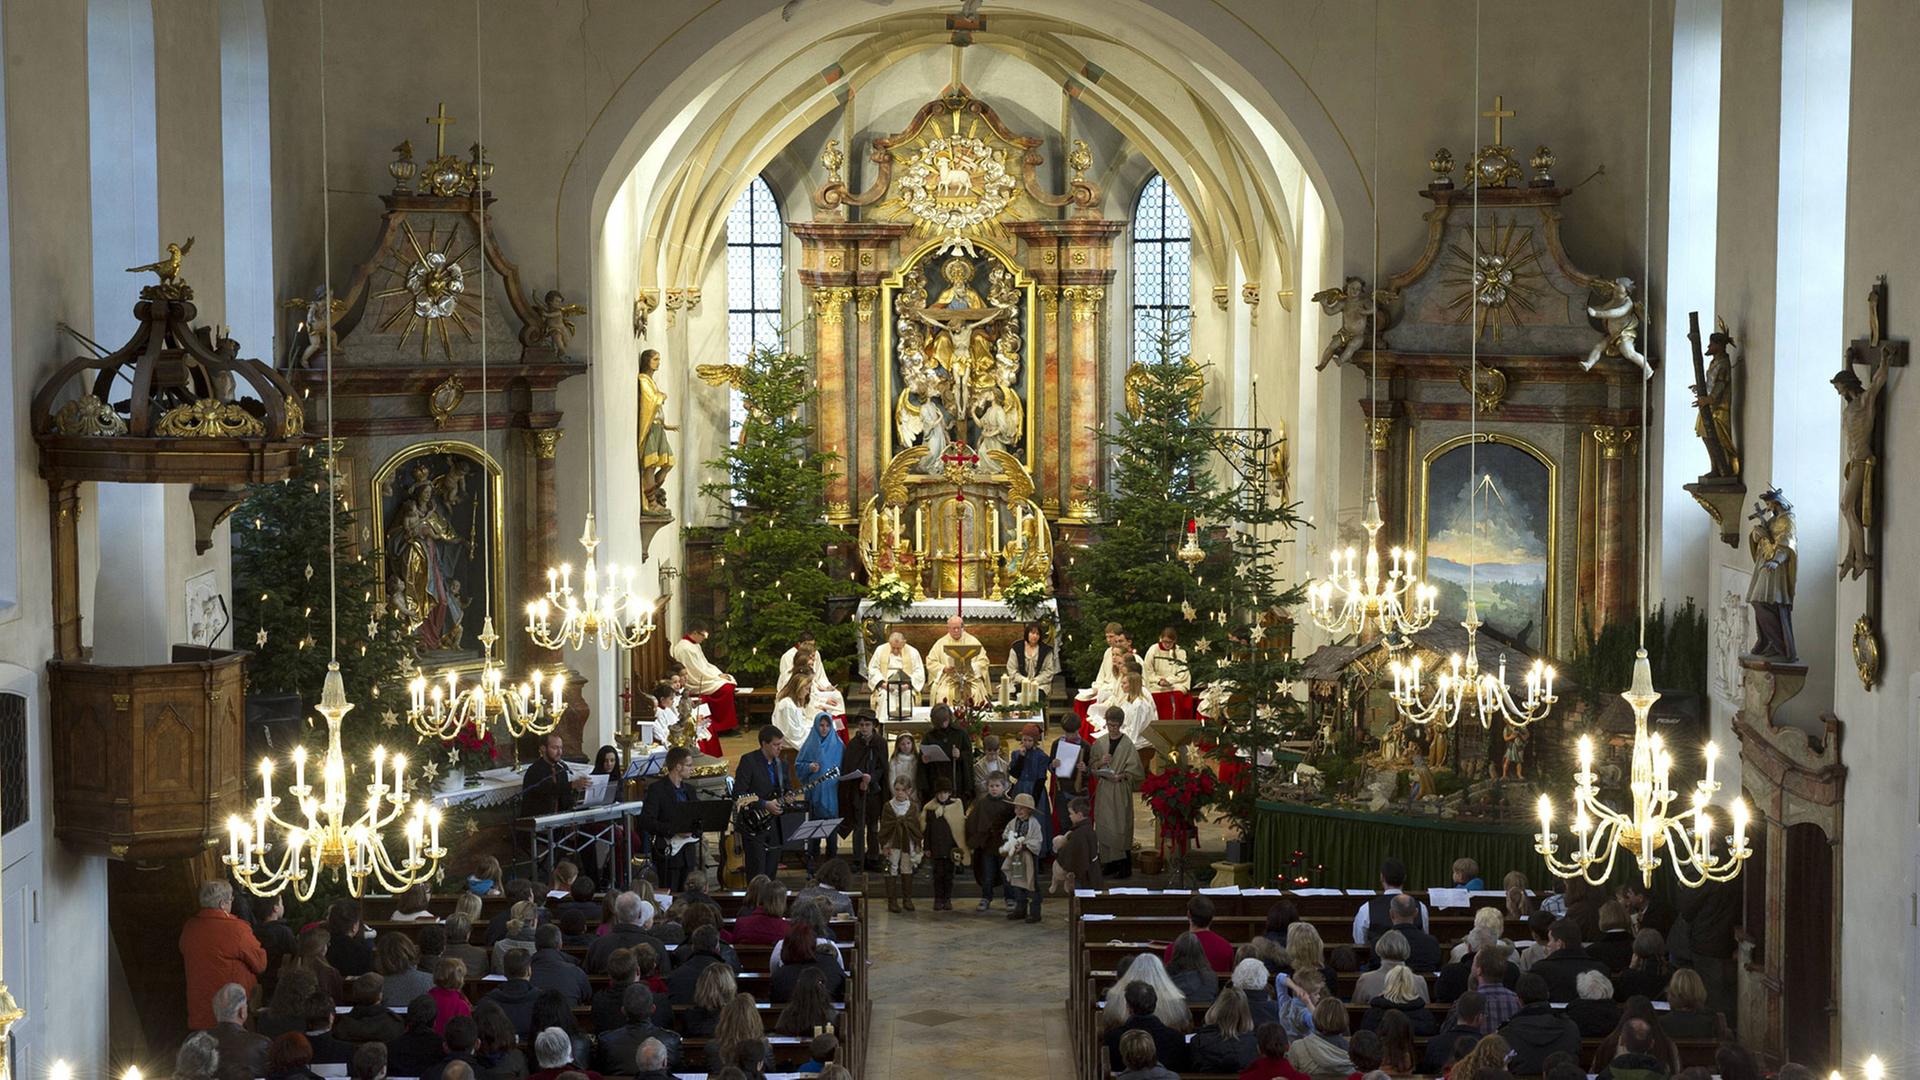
522,919
1170,1005
1225,1043
1306,951
711,995
1402,994
1491,919
739,1022
1322,1054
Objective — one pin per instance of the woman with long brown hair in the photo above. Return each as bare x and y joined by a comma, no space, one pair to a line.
739,1022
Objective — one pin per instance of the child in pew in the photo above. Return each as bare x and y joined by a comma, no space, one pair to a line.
820,1052
1272,1064
1139,1060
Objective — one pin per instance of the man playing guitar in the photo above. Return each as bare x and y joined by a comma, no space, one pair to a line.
764,776
664,817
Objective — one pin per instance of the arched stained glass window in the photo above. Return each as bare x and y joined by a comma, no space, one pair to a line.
1162,267
754,234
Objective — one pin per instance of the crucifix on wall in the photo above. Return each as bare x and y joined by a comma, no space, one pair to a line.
1860,442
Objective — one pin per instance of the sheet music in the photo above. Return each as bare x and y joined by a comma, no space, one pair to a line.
1065,757
596,792
934,755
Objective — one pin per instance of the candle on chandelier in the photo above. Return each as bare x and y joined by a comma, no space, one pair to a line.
266,779
299,768
399,775
1713,756
1739,824
433,820
1546,817
234,828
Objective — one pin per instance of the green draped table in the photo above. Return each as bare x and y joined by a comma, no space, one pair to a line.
1352,843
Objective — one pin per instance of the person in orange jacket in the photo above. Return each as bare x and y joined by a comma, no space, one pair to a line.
218,948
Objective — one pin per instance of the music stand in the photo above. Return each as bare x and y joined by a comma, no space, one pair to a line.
817,829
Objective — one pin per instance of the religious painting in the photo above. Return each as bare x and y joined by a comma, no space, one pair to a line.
959,364
439,538
1487,512
1731,621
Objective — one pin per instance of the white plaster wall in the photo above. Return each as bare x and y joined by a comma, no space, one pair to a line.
1878,940
51,269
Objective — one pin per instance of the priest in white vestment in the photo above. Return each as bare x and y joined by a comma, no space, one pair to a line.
943,667
705,681
892,656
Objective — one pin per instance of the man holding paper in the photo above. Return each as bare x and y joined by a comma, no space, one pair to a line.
957,666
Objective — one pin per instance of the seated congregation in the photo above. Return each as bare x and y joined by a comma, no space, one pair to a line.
1258,984
516,981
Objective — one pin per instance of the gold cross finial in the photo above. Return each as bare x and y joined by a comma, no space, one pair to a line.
1497,114
440,121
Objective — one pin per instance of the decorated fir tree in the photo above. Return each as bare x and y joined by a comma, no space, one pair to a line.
1252,661
772,564
281,600
1162,453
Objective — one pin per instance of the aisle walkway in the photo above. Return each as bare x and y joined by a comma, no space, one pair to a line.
966,993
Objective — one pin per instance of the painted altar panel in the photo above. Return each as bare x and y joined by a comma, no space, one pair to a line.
958,355
1512,547
440,546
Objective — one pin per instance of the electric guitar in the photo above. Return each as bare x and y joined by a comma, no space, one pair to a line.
753,817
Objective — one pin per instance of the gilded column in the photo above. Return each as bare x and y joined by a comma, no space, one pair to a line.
864,439
545,444
1083,448
1379,446
830,368
1613,596
1047,482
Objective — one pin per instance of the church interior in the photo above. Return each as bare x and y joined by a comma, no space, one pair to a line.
1336,472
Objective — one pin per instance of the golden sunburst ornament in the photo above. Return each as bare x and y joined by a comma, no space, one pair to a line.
428,279
954,182
1501,275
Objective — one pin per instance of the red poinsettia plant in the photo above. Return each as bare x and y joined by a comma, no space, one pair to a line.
1176,795
472,748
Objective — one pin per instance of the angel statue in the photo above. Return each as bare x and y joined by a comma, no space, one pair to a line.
656,457
556,321
1619,323
924,421
729,375
1358,307
997,416
314,331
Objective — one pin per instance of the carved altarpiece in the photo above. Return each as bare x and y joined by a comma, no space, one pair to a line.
1580,427
971,313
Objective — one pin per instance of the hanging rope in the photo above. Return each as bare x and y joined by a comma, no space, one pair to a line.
1373,280
1473,342
1646,332
480,228
326,256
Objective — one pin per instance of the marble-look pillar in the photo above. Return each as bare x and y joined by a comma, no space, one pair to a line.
1071,260
1613,573
863,448
1048,474
64,523
545,533
830,368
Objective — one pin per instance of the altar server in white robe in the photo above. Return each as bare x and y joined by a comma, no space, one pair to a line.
1106,682
895,655
826,698
942,673
705,681
1169,678
1137,705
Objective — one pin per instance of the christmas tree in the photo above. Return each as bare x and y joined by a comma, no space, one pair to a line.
772,564
1162,452
1254,664
282,601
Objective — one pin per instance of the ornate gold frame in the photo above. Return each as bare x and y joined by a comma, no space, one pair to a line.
497,533
1550,632
891,284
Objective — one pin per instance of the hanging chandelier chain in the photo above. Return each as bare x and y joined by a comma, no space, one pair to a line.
326,278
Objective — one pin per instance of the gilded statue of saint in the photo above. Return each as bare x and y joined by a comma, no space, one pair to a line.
656,457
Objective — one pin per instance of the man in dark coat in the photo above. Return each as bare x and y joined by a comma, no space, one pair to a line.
620,1047
420,1047
327,1050
1462,1026
627,931
368,1019
861,799
1566,958
764,775
547,787
702,951
243,1054
665,814
554,969
515,996
1537,1030
958,769
1170,1047
1424,953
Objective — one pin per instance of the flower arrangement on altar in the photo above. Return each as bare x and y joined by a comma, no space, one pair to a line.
1176,794
890,594
1024,595
472,750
